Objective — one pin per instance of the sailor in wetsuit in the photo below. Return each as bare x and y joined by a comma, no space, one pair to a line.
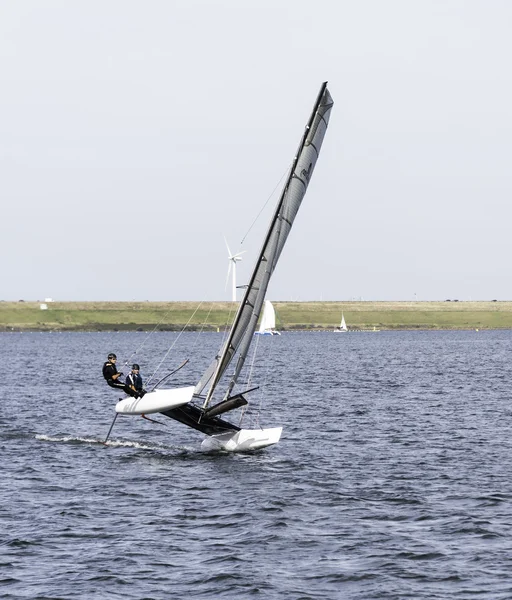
134,380
112,376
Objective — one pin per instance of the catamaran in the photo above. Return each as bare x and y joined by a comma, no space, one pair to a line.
268,321
193,405
343,326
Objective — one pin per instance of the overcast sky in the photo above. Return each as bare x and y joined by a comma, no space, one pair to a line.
134,135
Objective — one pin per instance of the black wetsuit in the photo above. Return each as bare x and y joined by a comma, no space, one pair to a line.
109,370
136,380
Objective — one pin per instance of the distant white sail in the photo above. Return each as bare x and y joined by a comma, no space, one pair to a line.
343,325
268,320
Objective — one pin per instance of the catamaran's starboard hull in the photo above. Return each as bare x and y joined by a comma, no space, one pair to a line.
244,440
223,435
156,401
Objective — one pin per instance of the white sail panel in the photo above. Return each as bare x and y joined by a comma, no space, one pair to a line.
268,319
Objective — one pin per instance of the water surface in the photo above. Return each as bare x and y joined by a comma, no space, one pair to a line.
393,478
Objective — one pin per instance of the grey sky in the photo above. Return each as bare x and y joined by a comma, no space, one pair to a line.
134,135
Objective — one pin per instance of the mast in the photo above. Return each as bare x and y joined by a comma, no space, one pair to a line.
244,325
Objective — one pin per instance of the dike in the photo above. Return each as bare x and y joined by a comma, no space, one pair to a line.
216,316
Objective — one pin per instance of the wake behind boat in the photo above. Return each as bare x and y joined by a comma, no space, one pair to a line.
194,406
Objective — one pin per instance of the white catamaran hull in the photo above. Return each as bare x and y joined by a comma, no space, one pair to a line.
156,401
243,440
267,333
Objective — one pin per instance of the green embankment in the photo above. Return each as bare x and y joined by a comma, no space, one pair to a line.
104,316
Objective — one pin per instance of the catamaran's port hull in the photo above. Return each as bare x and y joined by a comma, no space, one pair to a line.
154,402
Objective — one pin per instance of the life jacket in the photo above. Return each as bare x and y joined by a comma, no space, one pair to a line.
109,369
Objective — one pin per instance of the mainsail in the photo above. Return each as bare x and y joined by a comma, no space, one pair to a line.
244,325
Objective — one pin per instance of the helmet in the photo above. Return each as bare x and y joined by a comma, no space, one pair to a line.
111,355
136,367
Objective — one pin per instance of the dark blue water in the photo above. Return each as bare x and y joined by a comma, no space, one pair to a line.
393,477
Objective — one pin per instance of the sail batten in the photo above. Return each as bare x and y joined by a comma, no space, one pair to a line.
245,322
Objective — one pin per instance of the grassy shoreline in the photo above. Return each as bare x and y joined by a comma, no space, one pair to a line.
175,316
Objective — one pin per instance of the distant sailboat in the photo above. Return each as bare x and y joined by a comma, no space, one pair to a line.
268,321
343,326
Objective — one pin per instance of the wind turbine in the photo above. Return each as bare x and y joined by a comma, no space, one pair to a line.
233,259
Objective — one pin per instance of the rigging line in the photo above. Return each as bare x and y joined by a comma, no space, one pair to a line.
228,322
268,362
253,360
148,335
173,344
255,416
201,330
196,339
203,325
244,409
225,335
267,201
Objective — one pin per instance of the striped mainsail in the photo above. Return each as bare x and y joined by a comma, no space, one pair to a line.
245,322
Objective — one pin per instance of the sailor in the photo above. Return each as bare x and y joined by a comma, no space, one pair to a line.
134,380
112,376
